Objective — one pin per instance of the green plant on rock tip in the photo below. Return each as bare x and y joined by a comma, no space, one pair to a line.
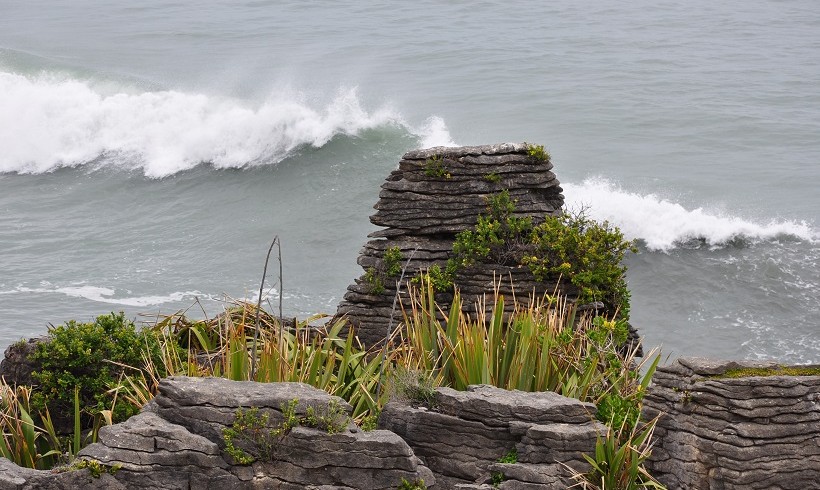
538,152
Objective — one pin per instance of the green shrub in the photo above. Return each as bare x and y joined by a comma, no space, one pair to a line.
497,477
250,437
91,356
586,252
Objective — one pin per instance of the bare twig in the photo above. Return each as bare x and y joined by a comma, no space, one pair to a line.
277,242
389,331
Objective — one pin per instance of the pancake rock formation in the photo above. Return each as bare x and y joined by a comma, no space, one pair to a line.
432,196
735,425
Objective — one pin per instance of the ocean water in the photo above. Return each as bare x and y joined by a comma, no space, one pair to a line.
150,152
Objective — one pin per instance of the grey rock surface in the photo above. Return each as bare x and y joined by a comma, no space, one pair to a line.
718,432
177,443
464,435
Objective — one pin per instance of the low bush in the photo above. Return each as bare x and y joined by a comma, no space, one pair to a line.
93,357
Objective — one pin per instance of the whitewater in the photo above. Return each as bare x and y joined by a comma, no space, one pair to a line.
149,155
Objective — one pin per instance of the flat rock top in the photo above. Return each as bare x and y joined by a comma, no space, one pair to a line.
496,406
460,151
220,392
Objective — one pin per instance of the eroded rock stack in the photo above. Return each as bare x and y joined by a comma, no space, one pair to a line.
177,443
466,433
723,427
433,195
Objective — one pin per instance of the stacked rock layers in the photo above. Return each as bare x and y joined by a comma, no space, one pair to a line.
432,196
718,431
462,439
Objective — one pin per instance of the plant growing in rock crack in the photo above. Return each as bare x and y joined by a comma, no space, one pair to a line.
406,484
434,167
331,418
388,267
511,457
492,177
370,422
618,462
251,431
94,467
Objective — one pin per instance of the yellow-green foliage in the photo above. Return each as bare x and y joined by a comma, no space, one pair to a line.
772,371
538,153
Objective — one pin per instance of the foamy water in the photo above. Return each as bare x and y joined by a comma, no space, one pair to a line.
148,155
48,122
663,225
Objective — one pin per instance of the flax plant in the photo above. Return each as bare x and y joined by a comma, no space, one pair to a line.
542,346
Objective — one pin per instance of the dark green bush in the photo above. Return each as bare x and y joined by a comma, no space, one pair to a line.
588,253
585,252
91,356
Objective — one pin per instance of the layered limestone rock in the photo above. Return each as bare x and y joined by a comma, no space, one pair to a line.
433,195
719,431
464,434
177,443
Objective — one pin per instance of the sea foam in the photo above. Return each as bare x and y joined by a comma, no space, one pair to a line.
107,295
48,122
663,225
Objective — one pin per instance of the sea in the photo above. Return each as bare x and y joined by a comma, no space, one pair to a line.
150,151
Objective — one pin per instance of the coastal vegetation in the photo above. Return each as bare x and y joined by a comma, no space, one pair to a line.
544,345
96,373
588,253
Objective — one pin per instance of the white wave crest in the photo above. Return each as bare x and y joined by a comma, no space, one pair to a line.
105,295
434,132
663,225
48,122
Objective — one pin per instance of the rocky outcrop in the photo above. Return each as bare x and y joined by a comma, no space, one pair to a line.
722,428
465,434
177,443
17,364
433,195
